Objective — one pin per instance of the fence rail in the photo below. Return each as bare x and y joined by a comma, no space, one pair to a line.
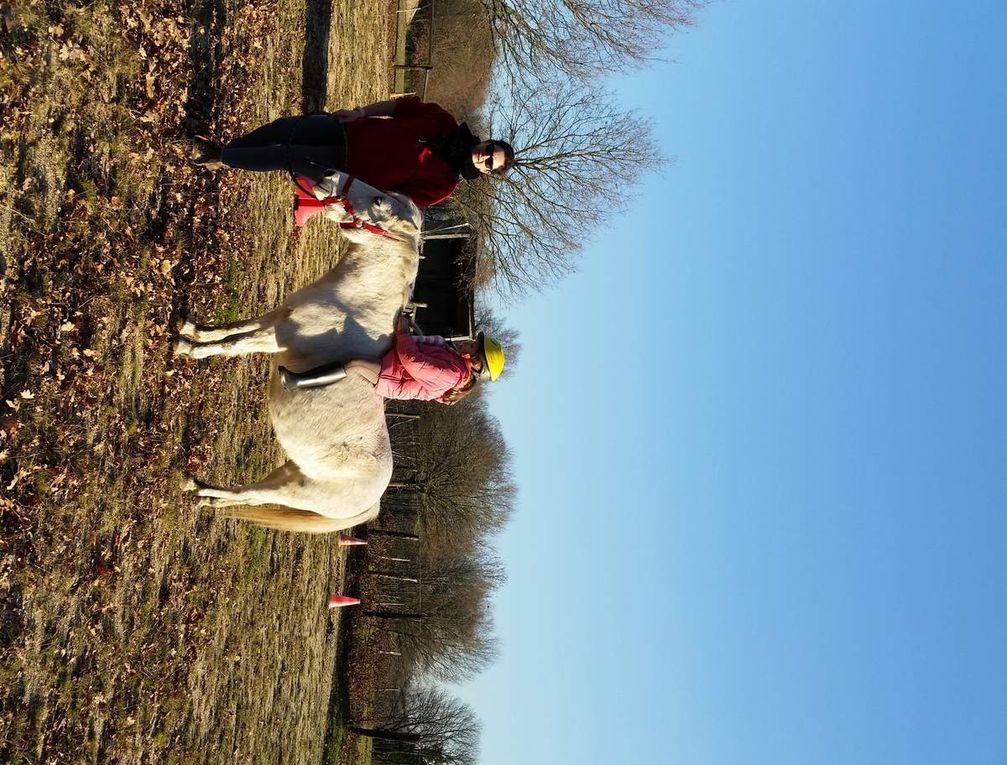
414,36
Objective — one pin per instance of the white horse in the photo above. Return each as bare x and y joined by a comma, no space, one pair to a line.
336,440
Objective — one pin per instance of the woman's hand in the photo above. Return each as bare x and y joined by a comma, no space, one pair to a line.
402,325
349,115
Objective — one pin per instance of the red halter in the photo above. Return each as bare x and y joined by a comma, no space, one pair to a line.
306,206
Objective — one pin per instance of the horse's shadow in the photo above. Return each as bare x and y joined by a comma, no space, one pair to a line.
204,56
315,61
205,53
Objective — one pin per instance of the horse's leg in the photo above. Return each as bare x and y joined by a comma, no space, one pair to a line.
257,341
206,333
278,488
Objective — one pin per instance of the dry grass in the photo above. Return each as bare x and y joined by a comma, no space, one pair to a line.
135,628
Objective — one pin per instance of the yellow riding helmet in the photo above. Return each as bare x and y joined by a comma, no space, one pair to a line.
493,355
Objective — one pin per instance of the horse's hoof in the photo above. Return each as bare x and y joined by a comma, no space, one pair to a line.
188,483
182,347
184,326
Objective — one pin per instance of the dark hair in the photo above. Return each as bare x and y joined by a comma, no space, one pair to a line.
508,157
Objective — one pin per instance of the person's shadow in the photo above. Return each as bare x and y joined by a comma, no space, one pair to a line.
204,56
315,62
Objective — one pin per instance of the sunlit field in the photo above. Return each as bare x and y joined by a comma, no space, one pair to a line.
137,628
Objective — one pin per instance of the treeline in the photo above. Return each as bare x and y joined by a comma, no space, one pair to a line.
426,579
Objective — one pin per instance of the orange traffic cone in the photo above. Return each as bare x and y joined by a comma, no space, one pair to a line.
338,601
348,541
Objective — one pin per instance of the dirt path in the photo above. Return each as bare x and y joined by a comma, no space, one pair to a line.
134,627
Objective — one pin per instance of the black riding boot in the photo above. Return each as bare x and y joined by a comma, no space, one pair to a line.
312,378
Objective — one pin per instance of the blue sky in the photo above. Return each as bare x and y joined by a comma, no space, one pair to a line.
760,436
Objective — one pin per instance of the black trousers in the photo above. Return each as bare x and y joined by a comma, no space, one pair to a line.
313,146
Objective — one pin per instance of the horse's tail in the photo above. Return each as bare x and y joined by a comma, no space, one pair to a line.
303,521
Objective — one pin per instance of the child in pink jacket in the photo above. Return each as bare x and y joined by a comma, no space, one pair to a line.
419,367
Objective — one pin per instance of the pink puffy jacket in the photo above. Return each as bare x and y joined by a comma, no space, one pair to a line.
423,368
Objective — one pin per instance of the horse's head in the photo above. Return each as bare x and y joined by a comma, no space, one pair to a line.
397,214
376,212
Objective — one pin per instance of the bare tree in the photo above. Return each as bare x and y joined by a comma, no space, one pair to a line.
581,38
578,156
578,153
427,726
446,629
460,474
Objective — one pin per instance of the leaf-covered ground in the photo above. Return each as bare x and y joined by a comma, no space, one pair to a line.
134,627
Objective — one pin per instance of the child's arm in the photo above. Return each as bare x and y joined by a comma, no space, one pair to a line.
436,368
437,340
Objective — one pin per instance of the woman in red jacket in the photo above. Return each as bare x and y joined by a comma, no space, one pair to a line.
424,368
404,145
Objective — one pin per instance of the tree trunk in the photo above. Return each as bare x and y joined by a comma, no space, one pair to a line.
396,615
393,575
414,486
386,735
395,534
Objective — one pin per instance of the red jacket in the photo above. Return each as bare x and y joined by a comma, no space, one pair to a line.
421,368
390,155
